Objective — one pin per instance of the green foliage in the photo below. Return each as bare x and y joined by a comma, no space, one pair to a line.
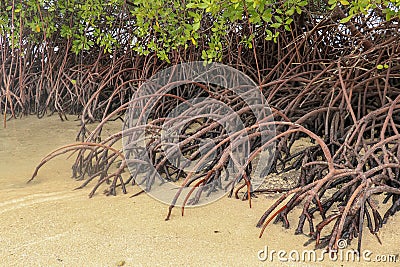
391,8
168,25
163,26
84,23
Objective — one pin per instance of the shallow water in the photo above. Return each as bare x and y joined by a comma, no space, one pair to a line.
47,223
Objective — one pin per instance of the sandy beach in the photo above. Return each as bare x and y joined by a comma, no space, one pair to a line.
47,223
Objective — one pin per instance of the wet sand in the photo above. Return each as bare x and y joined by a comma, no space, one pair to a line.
47,223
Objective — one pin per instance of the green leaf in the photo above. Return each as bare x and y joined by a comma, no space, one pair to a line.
196,26
386,66
346,19
204,54
344,2
379,67
290,12
267,15
255,19
276,37
388,16
202,5
191,5
303,3
278,19
288,21
276,25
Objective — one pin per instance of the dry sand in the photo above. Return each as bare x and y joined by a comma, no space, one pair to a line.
46,223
